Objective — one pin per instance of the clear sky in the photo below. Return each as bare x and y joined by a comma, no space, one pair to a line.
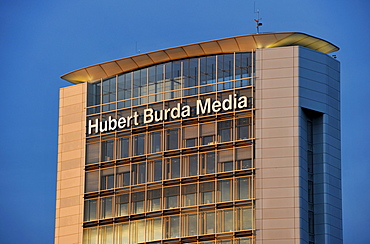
41,40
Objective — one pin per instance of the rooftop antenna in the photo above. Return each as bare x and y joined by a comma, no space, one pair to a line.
258,23
136,49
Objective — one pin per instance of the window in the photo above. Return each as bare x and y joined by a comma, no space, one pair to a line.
208,163
106,204
106,234
189,195
224,190
109,93
90,236
207,133
172,168
154,200
122,233
225,160
137,231
155,141
137,202
190,224
243,188
242,128
244,158
190,165
106,179
90,212
172,225
139,144
92,153
208,222
172,139
154,229
122,208
245,216
91,181
207,192
225,220
190,136
171,195
138,173
225,130
124,90
124,147
123,176
107,150
155,173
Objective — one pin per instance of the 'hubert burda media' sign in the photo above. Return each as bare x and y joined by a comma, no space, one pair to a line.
150,115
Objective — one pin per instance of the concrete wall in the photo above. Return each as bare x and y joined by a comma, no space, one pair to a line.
71,160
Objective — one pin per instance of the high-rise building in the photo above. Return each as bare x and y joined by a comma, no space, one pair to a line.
234,140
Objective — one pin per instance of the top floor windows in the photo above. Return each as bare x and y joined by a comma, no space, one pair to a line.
170,80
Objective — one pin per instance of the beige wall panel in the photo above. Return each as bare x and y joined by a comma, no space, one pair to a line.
278,234
71,146
71,164
274,83
276,223
287,92
277,102
74,127
70,192
70,201
72,91
69,211
72,154
71,137
275,63
72,109
277,73
279,142
72,118
72,100
72,182
69,220
277,113
277,183
69,239
279,213
282,132
278,53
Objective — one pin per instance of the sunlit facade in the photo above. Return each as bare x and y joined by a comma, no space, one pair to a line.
225,141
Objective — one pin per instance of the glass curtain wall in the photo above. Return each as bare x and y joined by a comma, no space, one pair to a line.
175,178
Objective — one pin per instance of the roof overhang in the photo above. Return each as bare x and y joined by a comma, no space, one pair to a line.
244,43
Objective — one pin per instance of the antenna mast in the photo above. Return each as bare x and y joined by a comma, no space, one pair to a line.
258,23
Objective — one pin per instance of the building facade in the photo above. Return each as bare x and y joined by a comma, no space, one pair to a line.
235,140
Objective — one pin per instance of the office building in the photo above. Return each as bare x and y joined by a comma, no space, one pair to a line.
235,140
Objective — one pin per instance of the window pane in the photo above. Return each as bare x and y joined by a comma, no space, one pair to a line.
124,147
123,176
139,146
106,179
155,141
122,233
122,205
224,190
90,212
91,181
244,188
157,170
172,197
107,150
137,202
189,193
207,192
172,139
92,153
190,224
154,200
106,207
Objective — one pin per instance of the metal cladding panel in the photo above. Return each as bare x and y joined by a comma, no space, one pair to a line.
96,72
127,64
194,50
229,45
111,68
159,57
246,43
176,53
143,60
211,48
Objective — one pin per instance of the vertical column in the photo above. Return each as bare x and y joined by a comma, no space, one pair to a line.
276,158
71,147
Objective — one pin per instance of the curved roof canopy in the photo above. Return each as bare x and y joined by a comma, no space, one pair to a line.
244,43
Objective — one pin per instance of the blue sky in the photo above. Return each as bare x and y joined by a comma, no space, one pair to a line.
41,40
